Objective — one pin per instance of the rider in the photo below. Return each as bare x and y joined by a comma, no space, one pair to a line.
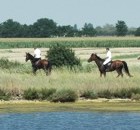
37,54
108,58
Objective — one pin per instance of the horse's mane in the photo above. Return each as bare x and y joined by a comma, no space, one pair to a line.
30,54
99,58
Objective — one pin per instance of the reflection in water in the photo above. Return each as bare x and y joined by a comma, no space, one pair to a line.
70,121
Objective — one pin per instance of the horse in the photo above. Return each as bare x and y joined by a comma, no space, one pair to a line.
117,65
40,64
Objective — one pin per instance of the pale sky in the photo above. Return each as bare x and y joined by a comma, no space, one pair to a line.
70,12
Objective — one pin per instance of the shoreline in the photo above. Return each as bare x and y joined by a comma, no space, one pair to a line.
100,105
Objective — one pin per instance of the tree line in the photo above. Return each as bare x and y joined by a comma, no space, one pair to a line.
45,27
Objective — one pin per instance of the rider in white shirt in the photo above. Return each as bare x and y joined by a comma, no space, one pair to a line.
108,58
37,54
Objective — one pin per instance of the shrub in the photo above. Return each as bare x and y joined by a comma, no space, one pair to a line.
6,64
60,55
4,95
126,93
105,94
31,94
89,94
135,96
65,95
46,93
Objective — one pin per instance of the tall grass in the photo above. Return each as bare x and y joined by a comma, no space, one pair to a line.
84,83
70,42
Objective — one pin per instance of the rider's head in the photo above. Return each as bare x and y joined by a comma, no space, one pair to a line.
107,49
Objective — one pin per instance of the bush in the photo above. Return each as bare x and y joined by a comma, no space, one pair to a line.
89,94
64,96
31,94
4,95
135,96
6,64
46,93
60,55
105,94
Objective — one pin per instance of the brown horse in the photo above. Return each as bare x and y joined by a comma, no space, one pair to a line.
41,64
114,65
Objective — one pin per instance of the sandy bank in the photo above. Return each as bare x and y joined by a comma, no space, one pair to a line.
103,105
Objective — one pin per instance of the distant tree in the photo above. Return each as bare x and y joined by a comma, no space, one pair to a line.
109,29
137,32
65,31
76,31
131,31
88,30
106,30
44,28
26,31
10,28
99,31
121,28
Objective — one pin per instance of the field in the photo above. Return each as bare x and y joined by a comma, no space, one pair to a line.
17,80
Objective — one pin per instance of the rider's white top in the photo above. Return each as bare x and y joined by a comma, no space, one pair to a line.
108,59
108,55
37,53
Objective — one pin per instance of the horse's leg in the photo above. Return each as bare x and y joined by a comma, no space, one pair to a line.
34,71
104,74
47,70
119,73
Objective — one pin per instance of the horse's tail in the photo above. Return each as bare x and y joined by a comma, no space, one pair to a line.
126,69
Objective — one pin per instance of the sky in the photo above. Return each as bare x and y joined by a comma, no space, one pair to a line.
70,12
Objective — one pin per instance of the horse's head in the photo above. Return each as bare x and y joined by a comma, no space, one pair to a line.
92,57
138,58
28,57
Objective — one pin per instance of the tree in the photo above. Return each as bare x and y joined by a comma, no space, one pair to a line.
121,28
60,55
88,30
44,28
137,32
106,30
10,28
131,31
65,31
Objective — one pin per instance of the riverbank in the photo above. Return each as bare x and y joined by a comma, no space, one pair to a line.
103,105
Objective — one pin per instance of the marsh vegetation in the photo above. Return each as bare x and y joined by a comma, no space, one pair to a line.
18,82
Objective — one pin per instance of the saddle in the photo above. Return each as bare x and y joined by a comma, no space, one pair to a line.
108,66
37,63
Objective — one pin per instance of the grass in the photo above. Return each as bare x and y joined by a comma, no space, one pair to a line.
79,82
126,56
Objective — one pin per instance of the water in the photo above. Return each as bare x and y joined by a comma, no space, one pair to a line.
70,121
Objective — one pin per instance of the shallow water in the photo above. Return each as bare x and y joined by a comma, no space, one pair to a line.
70,121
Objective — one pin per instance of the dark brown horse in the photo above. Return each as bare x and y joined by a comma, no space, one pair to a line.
41,64
114,65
